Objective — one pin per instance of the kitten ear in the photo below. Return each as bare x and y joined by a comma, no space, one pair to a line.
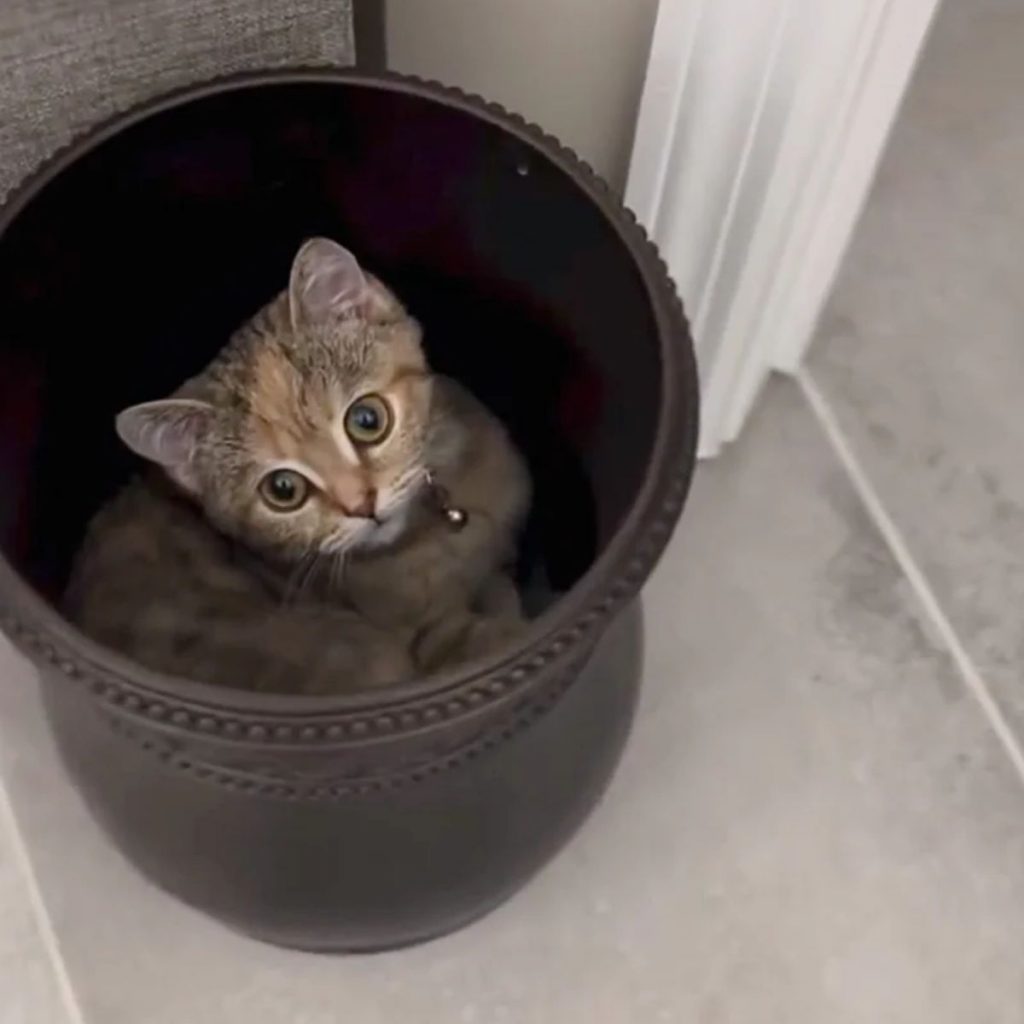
167,433
380,303
326,282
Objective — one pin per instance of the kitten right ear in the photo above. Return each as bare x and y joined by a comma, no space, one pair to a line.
326,282
167,433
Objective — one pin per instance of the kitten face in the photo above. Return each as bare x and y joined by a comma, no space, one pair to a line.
311,430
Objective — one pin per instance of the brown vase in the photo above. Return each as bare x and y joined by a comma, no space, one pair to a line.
367,821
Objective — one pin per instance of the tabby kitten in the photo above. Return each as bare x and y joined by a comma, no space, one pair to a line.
290,536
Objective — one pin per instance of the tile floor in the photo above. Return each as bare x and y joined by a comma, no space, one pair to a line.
922,350
815,822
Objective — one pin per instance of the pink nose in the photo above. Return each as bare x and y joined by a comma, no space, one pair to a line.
365,508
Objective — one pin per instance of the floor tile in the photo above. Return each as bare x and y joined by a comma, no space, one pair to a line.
812,823
28,987
921,351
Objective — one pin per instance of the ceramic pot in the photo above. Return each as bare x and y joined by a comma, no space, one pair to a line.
365,821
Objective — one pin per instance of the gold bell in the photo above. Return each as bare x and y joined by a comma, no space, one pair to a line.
456,517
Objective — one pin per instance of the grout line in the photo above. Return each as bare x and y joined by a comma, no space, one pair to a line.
47,933
900,551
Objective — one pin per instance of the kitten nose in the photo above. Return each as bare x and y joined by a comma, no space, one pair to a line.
365,508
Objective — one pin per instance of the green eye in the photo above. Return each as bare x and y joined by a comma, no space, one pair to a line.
368,420
284,490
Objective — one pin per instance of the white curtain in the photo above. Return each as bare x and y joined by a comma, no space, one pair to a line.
760,128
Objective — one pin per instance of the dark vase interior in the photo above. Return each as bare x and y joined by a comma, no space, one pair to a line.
131,267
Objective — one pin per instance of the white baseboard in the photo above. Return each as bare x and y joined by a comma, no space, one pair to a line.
760,130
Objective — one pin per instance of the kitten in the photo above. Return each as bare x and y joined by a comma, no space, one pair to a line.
291,537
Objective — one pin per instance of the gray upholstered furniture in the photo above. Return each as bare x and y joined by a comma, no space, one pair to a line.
66,64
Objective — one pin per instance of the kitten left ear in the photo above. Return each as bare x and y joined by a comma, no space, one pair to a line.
327,283
167,433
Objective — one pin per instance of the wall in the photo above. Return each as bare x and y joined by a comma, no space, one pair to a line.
576,67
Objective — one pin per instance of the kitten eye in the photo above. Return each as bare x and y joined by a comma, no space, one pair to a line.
284,490
368,420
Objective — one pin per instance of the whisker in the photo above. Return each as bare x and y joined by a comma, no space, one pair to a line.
289,583
300,575
405,485
314,572
337,572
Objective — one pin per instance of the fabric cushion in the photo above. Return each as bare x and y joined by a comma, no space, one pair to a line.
68,64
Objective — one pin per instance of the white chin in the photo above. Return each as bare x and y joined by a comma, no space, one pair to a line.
381,535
